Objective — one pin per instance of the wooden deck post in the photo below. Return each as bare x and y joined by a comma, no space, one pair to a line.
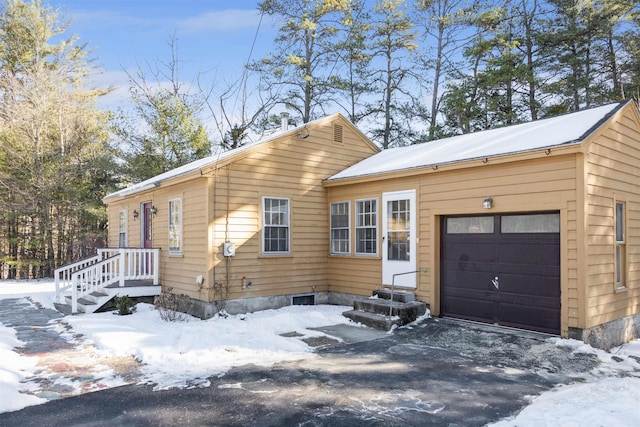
122,267
156,267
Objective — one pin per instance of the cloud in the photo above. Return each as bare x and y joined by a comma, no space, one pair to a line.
104,19
220,21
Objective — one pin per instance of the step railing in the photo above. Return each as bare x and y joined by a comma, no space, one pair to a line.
393,286
93,278
63,274
109,266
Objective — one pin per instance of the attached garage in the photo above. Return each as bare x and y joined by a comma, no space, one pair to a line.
533,226
502,269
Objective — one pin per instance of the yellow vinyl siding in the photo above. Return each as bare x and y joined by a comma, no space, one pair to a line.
612,176
288,168
546,183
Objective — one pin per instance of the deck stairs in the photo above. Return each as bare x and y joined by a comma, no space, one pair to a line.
89,284
386,308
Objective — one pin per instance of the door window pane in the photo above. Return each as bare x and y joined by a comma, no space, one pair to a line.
398,232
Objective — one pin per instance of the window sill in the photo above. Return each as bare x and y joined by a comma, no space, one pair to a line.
370,256
263,256
620,289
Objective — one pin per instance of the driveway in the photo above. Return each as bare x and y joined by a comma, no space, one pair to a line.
440,372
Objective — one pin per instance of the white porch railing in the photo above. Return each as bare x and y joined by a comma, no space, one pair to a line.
109,266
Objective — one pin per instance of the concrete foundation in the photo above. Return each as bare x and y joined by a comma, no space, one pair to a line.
206,310
611,334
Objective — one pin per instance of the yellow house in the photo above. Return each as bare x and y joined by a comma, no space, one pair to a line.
246,229
534,226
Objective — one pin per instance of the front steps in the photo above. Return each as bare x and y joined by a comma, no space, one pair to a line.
380,312
94,301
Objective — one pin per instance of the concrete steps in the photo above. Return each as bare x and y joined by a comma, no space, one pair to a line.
382,312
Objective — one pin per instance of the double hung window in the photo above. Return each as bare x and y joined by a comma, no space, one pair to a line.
275,221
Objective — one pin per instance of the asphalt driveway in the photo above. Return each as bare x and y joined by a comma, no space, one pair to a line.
439,372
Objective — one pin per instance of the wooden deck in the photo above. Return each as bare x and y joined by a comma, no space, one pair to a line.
133,284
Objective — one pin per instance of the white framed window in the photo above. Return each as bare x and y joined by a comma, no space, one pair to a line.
275,225
175,226
367,227
122,229
340,230
620,246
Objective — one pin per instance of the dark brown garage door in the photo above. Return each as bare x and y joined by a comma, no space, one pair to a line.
502,269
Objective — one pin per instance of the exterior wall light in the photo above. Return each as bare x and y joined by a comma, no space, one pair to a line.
153,210
487,203
135,214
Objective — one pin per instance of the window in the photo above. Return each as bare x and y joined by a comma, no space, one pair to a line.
175,226
620,245
398,230
340,232
535,223
470,225
122,229
367,227
275,225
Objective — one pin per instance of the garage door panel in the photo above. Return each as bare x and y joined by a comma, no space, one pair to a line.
547,301
469,308
530,317
527,270
469,253
529,254
527,285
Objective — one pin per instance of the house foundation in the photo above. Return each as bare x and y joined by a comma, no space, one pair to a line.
206,310
610,334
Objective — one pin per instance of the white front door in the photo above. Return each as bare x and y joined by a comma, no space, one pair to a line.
399,238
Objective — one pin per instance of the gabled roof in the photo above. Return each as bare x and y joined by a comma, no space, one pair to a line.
221,159
538,135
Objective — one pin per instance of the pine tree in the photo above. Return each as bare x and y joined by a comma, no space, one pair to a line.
305,51
52,143
394,39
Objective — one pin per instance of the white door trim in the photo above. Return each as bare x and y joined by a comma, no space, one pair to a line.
395,225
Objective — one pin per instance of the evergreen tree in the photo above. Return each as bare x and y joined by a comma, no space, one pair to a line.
53,144
394,39
305,50
352,78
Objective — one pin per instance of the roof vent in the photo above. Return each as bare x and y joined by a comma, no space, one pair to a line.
337,133
284,121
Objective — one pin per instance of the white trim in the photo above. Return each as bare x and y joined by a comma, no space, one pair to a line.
348,251
120,227
391,267
175,251
265,224
377,227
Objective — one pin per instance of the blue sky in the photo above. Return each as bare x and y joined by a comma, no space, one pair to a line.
214,37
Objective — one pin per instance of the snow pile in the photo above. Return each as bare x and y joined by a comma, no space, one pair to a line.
13,370
182,354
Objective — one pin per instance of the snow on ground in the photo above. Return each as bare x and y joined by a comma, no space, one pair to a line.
184,354
13,369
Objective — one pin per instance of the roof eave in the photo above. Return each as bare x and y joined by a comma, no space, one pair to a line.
555,150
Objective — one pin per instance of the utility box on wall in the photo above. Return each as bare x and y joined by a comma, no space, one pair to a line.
229,249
